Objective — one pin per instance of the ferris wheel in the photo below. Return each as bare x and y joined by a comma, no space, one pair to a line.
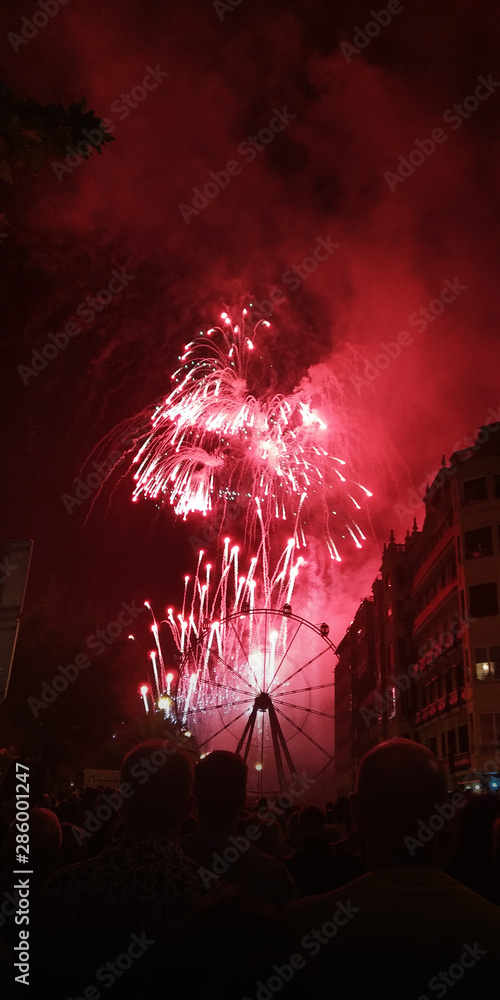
261,683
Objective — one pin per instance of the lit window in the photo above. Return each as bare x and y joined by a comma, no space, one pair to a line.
487,662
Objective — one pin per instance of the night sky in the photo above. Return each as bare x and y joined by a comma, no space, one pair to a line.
402,240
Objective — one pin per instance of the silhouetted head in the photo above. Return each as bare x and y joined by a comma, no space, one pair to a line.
312,822
156,786
220,782
400,784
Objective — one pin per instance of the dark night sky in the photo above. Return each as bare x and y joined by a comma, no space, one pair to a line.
321,177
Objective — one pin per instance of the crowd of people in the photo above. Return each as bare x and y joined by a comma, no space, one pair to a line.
176,883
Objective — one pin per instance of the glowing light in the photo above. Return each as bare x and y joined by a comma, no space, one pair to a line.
144,691
258,767
164,703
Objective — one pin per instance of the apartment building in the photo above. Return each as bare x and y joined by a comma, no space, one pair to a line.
424,661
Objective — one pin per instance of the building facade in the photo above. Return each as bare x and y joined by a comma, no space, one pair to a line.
425,662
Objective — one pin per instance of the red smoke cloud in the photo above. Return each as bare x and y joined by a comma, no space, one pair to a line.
323,176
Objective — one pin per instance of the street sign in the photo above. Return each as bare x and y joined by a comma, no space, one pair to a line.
15,559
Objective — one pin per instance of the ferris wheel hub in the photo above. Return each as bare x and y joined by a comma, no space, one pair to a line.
263,702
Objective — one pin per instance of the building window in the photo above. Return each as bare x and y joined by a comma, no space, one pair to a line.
452,742
486,722
463,739
433,745
487,662
478,543
443,744
483,600
472,741
475,490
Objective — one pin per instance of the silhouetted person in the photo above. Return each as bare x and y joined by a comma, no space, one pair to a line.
405,929
471,858
311,864
141,887
220,789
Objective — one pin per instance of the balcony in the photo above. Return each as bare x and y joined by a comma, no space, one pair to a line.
457,762
460,762
442,704
432,710
452,699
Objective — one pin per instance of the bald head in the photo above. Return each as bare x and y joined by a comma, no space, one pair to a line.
399,784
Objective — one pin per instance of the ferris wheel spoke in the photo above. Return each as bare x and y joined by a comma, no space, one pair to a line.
299,730
312,687
299,669
228,666
228,687
213,736
285,655
301,708
243,650
225,704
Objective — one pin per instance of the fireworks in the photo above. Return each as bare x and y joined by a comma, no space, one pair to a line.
211,441
214,595
249,669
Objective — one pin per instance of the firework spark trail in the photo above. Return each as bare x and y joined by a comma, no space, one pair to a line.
210,440
216,594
